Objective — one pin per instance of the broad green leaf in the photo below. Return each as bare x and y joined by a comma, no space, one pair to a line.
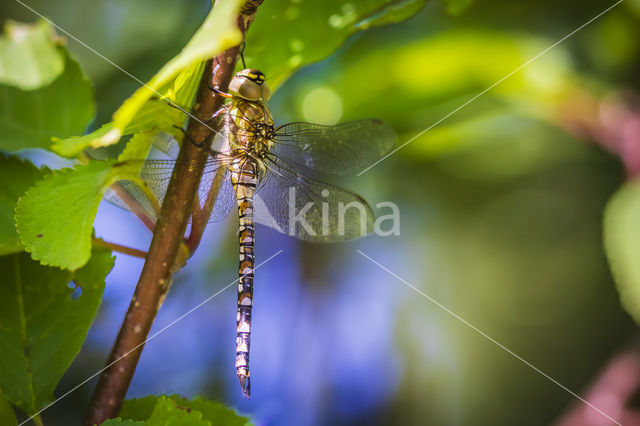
217,33
29,57
161,411
155,115
72,146
29,119
622,244
55,217
43,323
17,176
7,416
214,412
168,413
308,31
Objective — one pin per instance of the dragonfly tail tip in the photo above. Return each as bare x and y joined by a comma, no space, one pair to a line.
245,384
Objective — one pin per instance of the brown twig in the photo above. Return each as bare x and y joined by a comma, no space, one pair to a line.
119,248
164,252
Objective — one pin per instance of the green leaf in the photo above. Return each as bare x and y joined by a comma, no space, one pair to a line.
218,413
168,413
138,146
55,217
161,411
42,326
17,176
308,31
138,408
7,416
217,33
29,119
214,413
155,115
29,57
72,146
622,244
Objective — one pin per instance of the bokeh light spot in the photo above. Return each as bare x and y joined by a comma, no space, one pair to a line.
322,105
295,60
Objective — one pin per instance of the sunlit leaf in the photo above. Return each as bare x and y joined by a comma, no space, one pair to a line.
17,176
55,217
29,119
138,147
217,33
43,321
29,57
622,244
155,115
167,413
214,413
308,31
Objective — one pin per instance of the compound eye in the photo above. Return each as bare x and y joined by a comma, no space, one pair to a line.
266,92
250,91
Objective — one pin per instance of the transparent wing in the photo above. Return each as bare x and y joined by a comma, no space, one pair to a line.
308,209
167,144
344,148
215,187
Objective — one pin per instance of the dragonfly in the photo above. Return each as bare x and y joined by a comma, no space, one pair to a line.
271,174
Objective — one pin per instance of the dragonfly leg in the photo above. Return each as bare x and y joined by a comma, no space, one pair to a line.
244,44
215,89
215,114
220,92
208,122
190,139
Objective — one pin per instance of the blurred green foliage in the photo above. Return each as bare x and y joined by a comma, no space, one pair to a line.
63,108
503,208
622,232
29,58
299,41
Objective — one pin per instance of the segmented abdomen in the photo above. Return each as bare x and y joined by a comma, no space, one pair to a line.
244,178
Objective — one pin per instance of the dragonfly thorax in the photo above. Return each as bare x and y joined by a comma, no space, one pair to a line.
250,126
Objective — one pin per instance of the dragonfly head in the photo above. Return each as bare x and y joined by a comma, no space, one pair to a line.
249,84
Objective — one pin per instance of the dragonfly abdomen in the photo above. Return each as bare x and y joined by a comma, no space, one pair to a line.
244,178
